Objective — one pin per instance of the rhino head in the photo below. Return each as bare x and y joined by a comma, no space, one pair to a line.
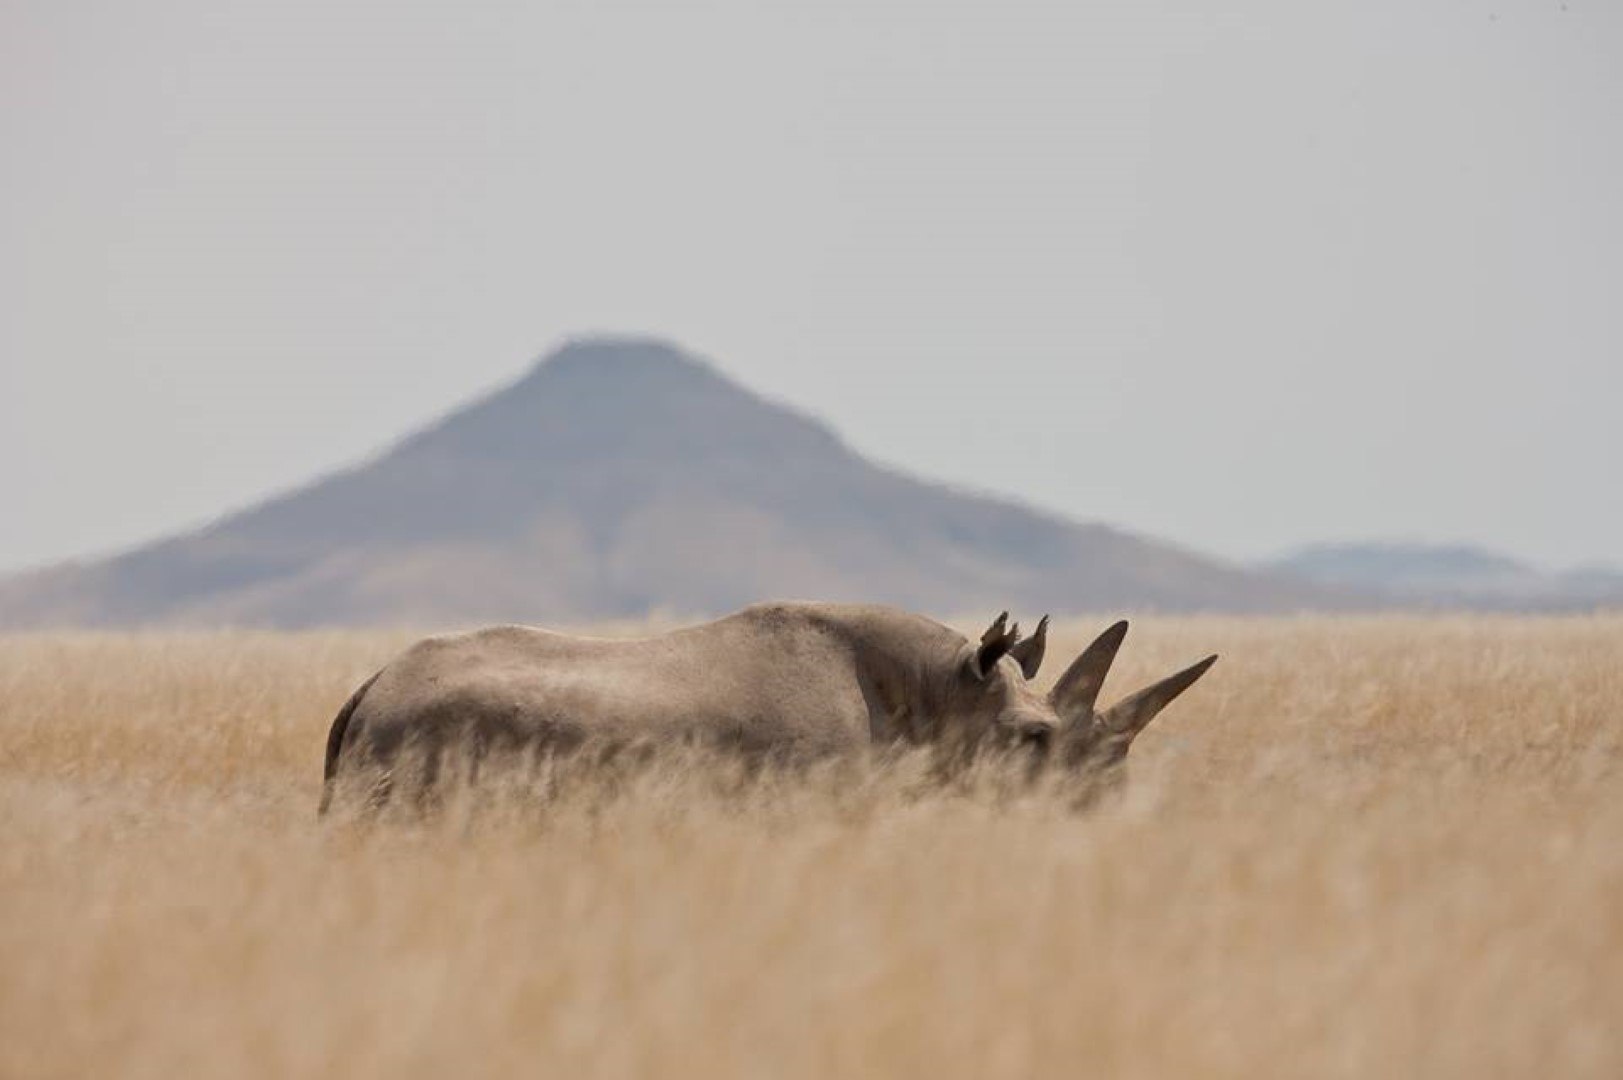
1063,727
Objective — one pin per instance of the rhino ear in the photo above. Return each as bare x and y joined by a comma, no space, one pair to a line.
995,644
1029,653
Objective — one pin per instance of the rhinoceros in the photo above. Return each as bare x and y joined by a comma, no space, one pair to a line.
785,681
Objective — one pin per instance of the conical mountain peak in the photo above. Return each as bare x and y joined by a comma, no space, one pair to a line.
619,357
616,477
603,398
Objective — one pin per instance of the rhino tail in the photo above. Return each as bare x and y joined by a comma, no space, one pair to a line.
335,742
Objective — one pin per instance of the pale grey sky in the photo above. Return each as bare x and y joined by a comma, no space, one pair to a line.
1240,275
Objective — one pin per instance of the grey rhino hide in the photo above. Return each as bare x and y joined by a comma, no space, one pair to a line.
786,682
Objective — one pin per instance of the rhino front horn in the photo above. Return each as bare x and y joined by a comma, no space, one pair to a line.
1132,714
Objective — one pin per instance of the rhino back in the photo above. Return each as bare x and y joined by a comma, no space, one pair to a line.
750,680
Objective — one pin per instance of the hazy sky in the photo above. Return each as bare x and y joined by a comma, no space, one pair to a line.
1241,275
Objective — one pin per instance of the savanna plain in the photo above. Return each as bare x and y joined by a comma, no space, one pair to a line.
1385,846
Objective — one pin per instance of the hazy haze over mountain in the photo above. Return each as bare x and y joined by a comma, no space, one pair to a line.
1242,275
620,477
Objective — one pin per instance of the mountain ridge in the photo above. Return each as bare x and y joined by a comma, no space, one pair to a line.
1408,573
615,477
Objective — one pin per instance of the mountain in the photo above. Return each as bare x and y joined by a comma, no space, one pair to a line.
1449,576
619,477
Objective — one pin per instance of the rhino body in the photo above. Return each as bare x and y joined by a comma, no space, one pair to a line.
783,681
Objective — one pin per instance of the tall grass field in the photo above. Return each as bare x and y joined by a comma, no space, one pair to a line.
1359,847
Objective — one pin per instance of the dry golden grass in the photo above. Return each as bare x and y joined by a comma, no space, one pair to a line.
1358,848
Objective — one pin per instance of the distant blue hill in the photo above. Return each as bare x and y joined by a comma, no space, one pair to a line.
1449,576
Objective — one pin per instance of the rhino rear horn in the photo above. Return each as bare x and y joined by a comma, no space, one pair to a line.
1078,689
1132,714
1029,653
